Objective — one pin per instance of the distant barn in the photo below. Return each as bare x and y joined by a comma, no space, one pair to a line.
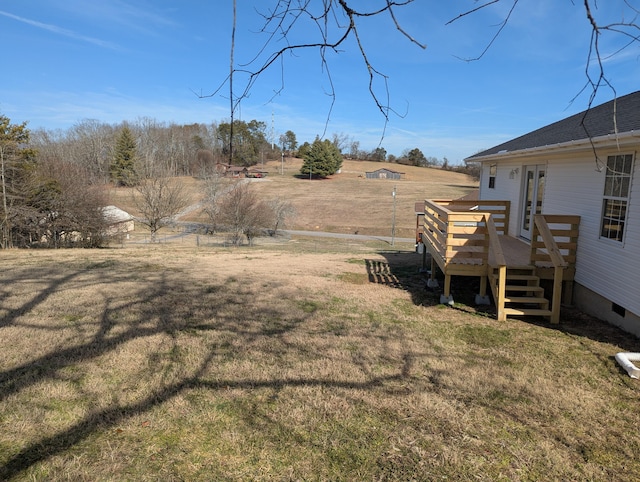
384,174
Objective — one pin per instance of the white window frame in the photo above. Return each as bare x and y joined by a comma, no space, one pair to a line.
615,198
493,171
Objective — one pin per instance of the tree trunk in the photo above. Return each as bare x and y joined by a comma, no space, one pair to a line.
5,219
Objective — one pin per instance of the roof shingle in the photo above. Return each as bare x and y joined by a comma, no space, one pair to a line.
595,122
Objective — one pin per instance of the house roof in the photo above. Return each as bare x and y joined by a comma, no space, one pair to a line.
114,214
617,116
385,169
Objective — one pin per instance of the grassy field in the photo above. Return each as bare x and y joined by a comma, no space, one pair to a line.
346,202
296,360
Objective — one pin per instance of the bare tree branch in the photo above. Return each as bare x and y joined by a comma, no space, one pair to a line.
327,26
231,68
335,23
503,24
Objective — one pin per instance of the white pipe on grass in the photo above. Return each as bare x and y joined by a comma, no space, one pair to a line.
625,361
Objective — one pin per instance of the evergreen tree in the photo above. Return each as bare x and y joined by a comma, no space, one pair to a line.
13,168
416,157
123,172
288,141
322,159
249,141
303,150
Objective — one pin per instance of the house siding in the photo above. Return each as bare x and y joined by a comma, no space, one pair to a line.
607,267
607,271
574,186
506,188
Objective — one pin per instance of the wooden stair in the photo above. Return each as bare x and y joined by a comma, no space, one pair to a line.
523,294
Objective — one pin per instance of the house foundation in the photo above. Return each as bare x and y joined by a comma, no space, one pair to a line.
596,305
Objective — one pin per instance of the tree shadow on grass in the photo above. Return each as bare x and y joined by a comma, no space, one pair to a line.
403,269
137,302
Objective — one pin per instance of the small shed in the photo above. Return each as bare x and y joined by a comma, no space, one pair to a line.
384,173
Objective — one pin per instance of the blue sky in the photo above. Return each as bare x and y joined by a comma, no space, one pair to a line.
115,60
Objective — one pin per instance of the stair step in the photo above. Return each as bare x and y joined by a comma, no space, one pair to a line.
527,311
527,299
533,289
517,277
522,277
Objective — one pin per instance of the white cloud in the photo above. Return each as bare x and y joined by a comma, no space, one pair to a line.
141,17
60,31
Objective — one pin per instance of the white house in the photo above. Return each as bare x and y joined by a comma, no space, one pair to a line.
118,221
583,165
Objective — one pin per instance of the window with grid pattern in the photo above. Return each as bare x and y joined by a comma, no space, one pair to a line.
493,170
616,196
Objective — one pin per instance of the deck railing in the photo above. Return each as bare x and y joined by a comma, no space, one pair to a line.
553,247
456,234
498,209
456,231
500,265
463,238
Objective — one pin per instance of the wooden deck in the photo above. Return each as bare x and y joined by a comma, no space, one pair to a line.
517,253
469,238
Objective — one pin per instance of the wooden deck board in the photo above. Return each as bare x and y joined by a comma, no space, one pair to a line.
516,252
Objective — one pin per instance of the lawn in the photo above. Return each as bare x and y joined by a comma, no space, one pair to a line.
343,203
185,362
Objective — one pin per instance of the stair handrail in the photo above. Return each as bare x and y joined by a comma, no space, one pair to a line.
496,249
558,261
549,242
494,240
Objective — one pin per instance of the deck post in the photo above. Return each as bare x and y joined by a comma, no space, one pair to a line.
424,258
502,285
446,298
432,282
483,285
481,297
568,292
557,294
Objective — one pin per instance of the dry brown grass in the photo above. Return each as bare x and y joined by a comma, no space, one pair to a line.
346,202
169,362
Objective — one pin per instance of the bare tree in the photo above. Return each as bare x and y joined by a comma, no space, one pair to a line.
242,213
213,189
90,144
69,206
354,149
280,211
159,199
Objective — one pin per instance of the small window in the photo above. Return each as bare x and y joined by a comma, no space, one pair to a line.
616,196
618,310
493,169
